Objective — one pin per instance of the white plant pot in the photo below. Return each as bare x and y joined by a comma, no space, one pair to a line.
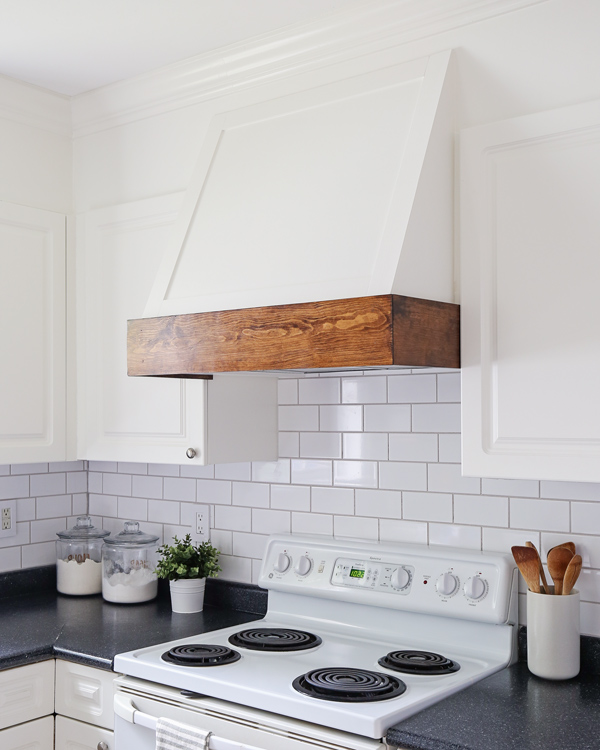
187,595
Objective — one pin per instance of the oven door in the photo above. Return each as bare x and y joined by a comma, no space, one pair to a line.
233,727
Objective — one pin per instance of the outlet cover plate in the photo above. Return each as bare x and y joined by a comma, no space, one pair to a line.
8,518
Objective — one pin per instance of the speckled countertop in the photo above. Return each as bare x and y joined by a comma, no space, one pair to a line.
511,710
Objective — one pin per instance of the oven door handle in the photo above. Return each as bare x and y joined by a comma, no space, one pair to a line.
125,708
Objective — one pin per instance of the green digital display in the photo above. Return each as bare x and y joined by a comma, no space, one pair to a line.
357,573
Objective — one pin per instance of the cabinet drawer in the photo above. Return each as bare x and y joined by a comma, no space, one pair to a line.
85,693
75,735
26,693
33,735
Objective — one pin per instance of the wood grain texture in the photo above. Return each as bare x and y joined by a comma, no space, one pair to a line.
339,334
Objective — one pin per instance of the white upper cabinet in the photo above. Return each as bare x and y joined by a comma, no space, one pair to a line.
33,335
151,419
341,189
530,197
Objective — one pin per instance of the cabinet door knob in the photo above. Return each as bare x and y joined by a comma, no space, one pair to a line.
190,453
102,746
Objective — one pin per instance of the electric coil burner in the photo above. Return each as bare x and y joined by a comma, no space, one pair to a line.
274,639
348,685
201,655
357,637
418,662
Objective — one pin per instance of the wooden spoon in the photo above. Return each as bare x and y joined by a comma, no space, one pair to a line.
571,574
528,562
566,545
545,586
558,559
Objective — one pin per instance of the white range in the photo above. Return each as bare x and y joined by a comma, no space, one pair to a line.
357,637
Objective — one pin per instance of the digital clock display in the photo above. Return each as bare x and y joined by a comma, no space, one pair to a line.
357,573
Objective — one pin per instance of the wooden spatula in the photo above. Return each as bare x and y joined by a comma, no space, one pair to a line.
545,586
558,559
528,562
571,574
567,545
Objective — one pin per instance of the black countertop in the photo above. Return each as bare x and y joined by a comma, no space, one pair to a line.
37,623
511,710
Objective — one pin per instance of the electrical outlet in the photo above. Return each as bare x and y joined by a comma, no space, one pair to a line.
201,529
8,518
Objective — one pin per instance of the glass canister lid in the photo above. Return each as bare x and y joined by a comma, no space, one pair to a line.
131,536
82,530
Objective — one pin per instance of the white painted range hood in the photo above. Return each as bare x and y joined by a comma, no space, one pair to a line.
335,190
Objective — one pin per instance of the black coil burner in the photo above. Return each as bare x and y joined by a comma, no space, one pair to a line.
418,662
201,655
348,685
274,639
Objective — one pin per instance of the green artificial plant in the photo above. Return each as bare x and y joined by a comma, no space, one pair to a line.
184,559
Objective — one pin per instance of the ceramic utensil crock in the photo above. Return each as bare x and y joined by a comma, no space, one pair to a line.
553,632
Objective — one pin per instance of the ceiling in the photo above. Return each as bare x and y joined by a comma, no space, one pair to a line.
73,46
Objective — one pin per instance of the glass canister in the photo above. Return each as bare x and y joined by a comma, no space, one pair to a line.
128,566
79,558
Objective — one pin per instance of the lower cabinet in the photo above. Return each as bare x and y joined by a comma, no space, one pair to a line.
33,735
75,735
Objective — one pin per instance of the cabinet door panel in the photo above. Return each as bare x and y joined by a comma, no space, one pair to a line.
32,335
75,735
26,693
530,307
122,418
33,735
85,693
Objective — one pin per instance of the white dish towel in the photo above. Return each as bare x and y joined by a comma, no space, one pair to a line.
173,735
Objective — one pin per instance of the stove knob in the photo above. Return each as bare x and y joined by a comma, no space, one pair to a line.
400,579
303,566
446,584
475,588
283,563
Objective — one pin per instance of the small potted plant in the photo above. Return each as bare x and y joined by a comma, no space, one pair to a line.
187,566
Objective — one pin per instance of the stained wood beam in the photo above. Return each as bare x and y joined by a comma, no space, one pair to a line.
380,331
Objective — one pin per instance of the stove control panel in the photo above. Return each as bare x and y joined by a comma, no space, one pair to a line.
377,576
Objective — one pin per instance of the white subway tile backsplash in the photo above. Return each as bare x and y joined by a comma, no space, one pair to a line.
45,531
133,508
345,418
80,504
222,540
427,506
115,484
449,387
585,518
162,511
289,444
447,478
178,488
527,513
451,535
29,469
287,391
10,559
354,527
481,510
411,389
164,470
364,390
411,532
236,568
510,487
436,418
366,445
77,482
501,540
590,617
311,471
249,545
570,490
588,546
132,468
150,487
110,466
379,503
402,476
252,494
413,447
197,472
13,487
332,500
103,505
35,555
213,491
290,497
320,445
355,473
53,507
588,585
387,418
241,472
298,418
233,518
47,484
95,482
271,521
312,523
450,448
26,509
21,538
271,471
319,391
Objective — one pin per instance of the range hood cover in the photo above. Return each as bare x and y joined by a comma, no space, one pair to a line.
336,198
